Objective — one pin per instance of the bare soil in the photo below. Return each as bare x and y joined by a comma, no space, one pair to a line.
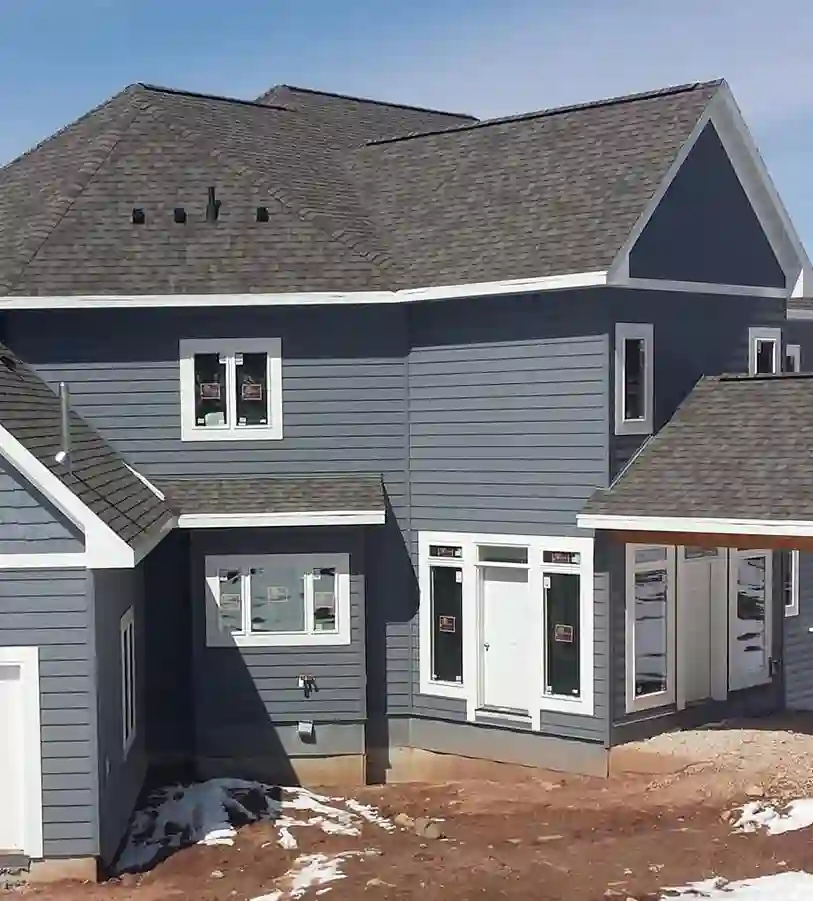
523,834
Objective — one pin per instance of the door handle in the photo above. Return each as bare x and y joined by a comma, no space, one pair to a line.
486,645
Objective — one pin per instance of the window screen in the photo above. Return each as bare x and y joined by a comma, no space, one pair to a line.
634,369
446,599
562,659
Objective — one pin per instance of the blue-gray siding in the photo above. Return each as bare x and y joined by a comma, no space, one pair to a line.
51,610
120,777
705,229
244,695
29,524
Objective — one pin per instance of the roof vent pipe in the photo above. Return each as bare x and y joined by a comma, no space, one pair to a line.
64,454
212,207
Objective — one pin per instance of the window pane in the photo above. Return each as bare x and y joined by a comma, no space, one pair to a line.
653,554
634,367
562,558
278,598
765,356
792,361
498,554
210,390
651,645
447,623
252,388
324,600
445,551
787,558
230,603
696,553
750,647
562,640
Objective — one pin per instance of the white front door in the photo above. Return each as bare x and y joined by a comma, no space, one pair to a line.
751,608
506,625
12,759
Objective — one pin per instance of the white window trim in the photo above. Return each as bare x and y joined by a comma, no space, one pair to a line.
759,333
663,698
471,688
623,332
27,659
215,637
129,702
794,351
792,609
190,431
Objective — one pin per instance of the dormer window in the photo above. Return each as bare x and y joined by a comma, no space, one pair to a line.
764,346
633,378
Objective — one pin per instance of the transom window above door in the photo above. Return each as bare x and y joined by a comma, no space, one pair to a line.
231,389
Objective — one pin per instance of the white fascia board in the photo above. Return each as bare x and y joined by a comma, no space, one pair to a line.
263,520
101,542
566,281
767,527
43,561
738,143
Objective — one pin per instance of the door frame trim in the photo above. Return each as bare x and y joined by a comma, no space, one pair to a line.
27,658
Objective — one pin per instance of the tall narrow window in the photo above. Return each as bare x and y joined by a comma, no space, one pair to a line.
793,358
446,599
763,350
562,635
790,586
633,378
128,680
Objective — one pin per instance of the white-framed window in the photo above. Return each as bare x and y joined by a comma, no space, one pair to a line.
634,378
506,623
793,358
278,600
764,348
790,588
650,627
129,704
231,389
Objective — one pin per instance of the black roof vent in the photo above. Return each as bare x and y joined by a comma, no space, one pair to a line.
212,207
262,214
138,216
180,214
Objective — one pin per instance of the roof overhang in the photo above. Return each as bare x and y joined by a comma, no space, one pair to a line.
266,520
700,532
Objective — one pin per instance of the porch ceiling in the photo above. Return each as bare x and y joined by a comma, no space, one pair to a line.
732,468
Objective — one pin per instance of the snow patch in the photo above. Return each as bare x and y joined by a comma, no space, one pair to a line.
757,815
366,812
796,886
312,871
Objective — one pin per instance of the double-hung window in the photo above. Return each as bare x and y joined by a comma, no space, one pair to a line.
127,650
764,348
634,379
231,389
277,601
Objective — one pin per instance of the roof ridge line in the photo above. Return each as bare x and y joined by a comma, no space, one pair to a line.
199,95
337,95
555,111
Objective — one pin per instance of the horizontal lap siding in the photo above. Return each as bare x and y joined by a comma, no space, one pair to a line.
244,694
50,609
29,524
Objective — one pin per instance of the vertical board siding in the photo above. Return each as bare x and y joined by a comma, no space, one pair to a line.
51,610
705,229
29,524
243,694
120,777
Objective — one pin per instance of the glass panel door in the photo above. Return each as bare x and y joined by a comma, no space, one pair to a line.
750,619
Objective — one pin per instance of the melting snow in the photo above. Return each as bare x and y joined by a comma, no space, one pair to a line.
310,871
781,887
757,815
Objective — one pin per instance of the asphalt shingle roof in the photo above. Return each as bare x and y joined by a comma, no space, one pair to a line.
529,196
739,447
98,476
252,494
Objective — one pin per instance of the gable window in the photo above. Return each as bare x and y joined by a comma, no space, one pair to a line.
231,389
764,346
128,680
793,358
790,586
634,383
280,600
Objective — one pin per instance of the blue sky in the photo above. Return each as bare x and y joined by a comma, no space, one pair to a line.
58,58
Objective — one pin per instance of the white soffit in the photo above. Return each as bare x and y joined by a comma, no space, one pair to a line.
694,525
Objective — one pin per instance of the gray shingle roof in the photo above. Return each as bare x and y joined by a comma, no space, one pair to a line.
739,447
246,495
535,195
99,477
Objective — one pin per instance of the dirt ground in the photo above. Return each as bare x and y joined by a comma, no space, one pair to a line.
514,833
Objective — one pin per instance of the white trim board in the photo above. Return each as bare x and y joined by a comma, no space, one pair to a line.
27,658
799,313
43,561
712,526
263,520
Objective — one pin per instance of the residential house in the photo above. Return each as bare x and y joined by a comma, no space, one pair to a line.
320,423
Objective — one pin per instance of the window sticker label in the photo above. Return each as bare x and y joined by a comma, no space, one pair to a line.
563,633
278,594
447,624
251,391
458,576
210,390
